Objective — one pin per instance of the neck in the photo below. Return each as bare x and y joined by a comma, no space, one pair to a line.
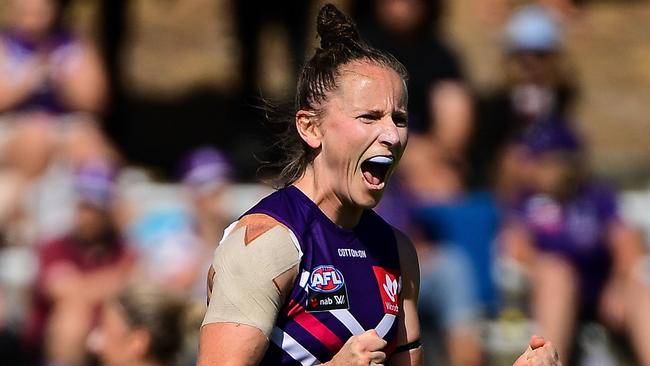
318,188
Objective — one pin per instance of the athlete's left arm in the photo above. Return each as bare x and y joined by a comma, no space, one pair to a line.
409,350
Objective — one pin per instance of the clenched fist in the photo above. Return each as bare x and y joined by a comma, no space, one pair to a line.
361,350
539,353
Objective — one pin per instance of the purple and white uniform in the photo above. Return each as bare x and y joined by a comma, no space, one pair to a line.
62,52
348,282
576,230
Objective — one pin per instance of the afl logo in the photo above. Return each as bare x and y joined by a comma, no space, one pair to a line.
326,279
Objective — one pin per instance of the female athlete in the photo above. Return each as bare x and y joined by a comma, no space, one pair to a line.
311,274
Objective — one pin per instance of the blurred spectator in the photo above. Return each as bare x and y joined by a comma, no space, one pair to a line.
29,146
255,17
408,30
47,74
436,206
206,174
36,195
141,325
177,228
44,67
583,262
440,117
495,11
161,230
195,45
78,271
538,87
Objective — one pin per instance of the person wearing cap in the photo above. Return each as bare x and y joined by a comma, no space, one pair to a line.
206,175
537,87
581,258
78,271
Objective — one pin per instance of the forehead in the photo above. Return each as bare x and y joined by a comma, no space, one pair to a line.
369,85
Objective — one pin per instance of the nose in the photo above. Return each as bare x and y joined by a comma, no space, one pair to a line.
389,135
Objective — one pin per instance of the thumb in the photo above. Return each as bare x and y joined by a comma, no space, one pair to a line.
376,342
536,342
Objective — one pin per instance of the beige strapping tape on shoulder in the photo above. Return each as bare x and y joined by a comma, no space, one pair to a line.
243,290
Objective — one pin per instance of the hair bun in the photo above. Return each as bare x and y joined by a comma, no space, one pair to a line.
334,28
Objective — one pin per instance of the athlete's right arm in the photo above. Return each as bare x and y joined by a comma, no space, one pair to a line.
253,270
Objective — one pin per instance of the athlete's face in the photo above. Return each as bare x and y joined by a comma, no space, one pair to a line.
364,132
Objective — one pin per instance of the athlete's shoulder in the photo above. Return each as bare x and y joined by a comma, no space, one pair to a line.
409,263
257,224
407,253
404,243
377,224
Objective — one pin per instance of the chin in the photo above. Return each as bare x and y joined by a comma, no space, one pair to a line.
369,200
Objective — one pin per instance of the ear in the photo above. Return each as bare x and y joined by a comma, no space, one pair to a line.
307,127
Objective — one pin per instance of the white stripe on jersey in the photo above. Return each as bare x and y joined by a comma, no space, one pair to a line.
353,325
289,345
385,324
350,322
304,278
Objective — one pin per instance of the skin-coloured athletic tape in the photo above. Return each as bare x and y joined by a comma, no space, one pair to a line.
243,289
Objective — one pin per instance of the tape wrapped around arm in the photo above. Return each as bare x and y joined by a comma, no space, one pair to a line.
246,264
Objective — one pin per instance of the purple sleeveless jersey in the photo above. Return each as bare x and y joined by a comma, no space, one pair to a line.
349,282
576,230
56,47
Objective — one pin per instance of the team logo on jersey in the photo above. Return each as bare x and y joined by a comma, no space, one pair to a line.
326,279
390,285
326,289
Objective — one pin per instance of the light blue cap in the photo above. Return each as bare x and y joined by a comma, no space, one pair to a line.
533,28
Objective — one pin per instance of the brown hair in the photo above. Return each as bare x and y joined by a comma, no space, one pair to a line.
340,44
159,313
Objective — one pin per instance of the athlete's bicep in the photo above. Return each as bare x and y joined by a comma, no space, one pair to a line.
253,270
230,344
409,350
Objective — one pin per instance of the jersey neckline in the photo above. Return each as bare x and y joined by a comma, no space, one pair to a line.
318,212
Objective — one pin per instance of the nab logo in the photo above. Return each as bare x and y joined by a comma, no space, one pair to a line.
326,290
326,279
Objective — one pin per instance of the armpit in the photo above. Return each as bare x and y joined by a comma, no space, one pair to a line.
258,251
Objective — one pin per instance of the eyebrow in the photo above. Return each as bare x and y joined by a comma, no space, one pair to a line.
376,112
381,112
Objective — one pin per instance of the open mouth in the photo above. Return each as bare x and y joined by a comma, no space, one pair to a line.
375,170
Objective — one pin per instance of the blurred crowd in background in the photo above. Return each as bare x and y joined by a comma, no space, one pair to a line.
132,132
